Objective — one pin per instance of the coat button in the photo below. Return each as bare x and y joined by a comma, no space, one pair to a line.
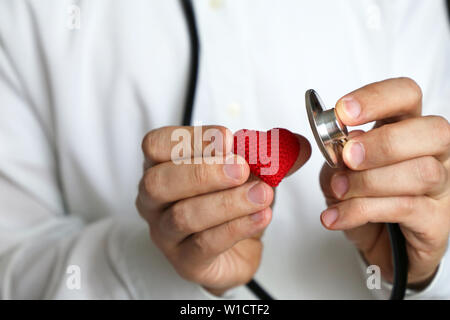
216,4
234,109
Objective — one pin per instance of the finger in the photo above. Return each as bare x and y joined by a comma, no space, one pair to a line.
168,182
175,142
397,142
327,173
207,211
207,245
303,155
394,98
415,213
355,133
419,176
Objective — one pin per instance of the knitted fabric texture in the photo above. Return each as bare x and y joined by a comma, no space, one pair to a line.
256,147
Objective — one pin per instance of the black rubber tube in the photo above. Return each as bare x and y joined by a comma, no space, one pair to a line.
194,61
448,8
399,261
258,291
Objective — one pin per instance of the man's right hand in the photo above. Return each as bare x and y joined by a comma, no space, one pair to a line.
206,218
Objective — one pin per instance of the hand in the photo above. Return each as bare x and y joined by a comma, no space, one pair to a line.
206,218
398,172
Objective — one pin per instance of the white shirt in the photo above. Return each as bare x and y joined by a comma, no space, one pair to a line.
76,103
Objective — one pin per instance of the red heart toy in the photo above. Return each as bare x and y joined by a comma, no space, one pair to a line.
270,154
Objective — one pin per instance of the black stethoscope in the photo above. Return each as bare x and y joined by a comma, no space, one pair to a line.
330,135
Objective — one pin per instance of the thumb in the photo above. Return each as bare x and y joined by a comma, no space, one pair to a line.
303,155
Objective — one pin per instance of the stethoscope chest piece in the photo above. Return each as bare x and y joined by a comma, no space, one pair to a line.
330,133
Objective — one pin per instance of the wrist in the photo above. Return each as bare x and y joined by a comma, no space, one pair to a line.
421,283
216,292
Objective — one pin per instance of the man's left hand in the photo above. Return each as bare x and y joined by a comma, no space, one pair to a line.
398,172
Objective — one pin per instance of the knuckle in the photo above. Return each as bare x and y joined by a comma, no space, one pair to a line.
139,206
227,202
373,91
387,136
442,127
158,239
326,173
406,205
245,173
225,132
152,184
360,207
359,211
150,144
147,142
366,181
233,227
178,220
138,202
199,174
201,244
430,171
415,89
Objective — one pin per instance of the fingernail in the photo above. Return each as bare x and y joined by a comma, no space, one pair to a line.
258,216
329,217
257,193
339,185
356,154
352,108
233,171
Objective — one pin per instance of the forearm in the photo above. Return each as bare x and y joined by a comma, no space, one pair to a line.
116,260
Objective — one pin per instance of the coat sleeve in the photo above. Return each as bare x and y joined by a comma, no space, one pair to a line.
46,251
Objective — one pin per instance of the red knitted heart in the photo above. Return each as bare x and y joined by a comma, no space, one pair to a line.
256,147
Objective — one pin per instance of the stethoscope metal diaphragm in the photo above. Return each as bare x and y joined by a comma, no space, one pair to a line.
329,131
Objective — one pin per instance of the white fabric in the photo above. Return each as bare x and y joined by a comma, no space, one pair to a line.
76,103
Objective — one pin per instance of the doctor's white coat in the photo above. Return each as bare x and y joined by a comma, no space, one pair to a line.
81,82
